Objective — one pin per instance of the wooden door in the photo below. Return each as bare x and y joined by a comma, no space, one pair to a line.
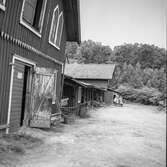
17,92
21,80
44,97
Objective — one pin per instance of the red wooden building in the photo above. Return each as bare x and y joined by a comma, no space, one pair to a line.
33,34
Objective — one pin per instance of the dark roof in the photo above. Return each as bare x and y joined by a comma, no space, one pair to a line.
112,90
83,84
72,20
90,71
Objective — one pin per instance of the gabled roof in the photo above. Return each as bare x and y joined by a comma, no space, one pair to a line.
72,20
90,71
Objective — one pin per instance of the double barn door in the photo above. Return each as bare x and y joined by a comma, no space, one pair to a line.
32,95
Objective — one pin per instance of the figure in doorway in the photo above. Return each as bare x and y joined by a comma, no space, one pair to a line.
121,101
118,100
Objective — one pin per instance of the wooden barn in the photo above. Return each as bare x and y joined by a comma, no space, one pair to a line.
33,34
98,75
77,95
71,96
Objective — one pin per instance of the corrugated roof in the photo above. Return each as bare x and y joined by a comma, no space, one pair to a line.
90,71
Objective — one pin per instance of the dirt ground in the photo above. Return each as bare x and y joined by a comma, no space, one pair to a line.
129,136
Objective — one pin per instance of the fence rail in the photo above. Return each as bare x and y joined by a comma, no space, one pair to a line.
73,110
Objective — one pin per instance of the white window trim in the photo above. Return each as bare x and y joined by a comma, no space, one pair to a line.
54,45
38,33
50,42
56,8
2,6
61,31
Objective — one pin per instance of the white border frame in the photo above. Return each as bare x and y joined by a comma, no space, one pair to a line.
50,42
2,6
56,8
24,60
38,33
61,31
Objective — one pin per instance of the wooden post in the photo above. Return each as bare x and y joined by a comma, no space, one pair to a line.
62,81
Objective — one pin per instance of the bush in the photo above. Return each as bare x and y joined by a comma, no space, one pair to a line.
144,95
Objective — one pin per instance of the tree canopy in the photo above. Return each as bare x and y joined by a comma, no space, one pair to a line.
148,56
137,65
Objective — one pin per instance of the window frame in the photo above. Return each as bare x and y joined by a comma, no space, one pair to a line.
28,26
2,6
53,15
61,31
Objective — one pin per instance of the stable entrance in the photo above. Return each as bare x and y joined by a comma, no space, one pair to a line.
21,83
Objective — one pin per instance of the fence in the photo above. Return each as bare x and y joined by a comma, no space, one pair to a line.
69,113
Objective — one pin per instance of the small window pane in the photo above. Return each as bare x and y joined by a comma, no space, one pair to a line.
38,13
29,11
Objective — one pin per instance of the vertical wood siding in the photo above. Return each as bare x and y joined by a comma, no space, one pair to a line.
10,24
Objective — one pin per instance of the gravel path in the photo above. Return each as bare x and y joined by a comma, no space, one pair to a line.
129,136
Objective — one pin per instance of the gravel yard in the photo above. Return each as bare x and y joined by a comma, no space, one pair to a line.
130,136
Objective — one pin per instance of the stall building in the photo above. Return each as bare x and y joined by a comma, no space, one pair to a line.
100,76
77,95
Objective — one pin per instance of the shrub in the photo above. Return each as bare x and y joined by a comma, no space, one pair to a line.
144,95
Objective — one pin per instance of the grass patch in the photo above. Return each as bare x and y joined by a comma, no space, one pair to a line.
21,138
17,143
12,146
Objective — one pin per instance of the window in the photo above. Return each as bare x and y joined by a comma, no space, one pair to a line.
56,28
54,25
59,30
2,4
33,14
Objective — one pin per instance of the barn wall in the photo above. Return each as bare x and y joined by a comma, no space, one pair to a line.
18,40
10,24
7,52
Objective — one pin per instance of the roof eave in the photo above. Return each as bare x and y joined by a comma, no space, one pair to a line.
93,78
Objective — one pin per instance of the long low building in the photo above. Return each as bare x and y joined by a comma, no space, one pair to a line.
100,75
77,93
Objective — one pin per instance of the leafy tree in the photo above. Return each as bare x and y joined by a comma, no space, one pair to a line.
149,56
71,50
89,52
94,52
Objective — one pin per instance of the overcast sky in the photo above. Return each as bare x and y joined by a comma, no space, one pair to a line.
114,22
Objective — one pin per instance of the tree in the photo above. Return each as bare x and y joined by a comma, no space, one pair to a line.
149,56
71,50
94,52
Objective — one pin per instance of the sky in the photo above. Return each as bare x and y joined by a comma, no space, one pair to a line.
115,22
